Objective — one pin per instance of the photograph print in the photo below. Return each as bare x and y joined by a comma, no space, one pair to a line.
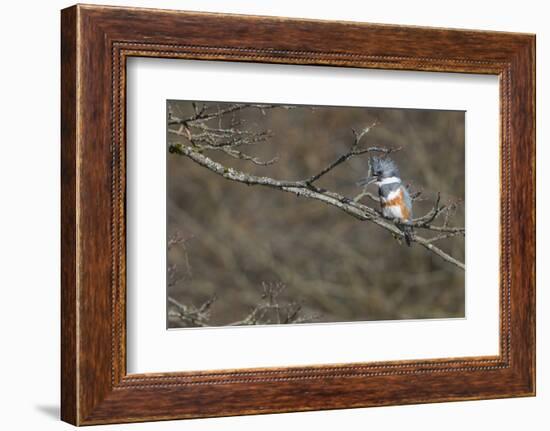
298,214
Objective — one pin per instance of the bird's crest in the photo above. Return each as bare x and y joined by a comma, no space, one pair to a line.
383,167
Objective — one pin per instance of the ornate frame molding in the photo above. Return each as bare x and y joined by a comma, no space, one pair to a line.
96,41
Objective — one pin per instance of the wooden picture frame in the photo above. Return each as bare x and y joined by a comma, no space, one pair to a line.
95,43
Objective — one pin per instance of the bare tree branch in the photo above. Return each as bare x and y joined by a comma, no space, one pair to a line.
367,194
352,152
204,136
190,315
269,310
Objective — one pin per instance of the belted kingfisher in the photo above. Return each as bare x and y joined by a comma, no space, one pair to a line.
395,200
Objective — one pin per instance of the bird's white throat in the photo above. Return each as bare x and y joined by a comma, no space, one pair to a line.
389,180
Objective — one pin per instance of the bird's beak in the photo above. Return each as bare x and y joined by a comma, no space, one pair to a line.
366,181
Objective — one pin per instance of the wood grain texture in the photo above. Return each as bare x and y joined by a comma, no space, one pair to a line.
68,218
96,41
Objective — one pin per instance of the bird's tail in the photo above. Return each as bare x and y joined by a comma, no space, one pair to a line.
408,233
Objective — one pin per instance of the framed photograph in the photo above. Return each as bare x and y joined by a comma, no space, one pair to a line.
266,215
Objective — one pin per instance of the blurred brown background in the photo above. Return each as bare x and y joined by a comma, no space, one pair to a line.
337,268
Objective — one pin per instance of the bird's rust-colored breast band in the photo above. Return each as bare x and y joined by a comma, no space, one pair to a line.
398,201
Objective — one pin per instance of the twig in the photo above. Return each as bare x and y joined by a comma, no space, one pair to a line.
352,152
268,310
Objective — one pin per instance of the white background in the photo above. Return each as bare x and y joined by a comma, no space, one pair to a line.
153,349
29,216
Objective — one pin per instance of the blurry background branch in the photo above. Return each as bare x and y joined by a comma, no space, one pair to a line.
270,308
216,128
